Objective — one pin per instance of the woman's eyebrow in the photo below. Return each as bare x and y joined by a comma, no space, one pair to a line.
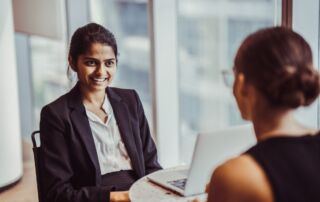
90,58
110,59
93,58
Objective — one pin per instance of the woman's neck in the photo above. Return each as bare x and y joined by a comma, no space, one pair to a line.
278,123
95,98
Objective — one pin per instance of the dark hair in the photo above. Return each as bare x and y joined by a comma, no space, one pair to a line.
278,62
85,36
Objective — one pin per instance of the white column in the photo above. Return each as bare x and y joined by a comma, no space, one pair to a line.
163,34
10,138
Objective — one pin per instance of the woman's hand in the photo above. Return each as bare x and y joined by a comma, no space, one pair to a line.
120,196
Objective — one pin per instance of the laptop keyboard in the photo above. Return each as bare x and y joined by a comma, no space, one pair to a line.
181,183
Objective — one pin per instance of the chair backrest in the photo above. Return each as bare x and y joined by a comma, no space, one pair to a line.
37,160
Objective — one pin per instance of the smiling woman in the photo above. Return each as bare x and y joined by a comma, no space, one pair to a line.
95,139
96,68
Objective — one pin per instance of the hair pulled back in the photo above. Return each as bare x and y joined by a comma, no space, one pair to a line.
85,36
278,62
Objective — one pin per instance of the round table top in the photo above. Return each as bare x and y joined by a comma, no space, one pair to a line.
145,191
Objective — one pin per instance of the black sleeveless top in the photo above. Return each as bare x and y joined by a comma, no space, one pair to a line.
292,165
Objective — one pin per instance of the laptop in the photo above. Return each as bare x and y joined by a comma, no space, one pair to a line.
211,149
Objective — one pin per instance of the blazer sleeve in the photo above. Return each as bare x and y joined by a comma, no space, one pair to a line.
56,167
149,147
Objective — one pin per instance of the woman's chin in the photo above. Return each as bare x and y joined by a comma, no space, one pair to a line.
98,87
245,117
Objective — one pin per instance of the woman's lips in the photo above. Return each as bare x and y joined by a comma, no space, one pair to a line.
99,79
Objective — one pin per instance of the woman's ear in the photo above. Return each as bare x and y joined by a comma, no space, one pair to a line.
72,64
243,87
241,91
240,85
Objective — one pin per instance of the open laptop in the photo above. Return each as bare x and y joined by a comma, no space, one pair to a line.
211,150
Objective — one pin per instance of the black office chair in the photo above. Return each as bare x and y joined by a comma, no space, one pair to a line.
37,161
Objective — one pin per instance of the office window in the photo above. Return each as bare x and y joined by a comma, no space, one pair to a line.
209,33
128,20
305,21
48,62
40,39
49,71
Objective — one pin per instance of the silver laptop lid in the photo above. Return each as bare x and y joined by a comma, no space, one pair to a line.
212,149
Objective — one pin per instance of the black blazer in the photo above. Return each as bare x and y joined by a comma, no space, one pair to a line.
71,170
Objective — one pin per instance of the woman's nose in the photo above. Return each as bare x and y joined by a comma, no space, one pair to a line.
101,69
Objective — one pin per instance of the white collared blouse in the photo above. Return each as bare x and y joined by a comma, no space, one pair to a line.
112,153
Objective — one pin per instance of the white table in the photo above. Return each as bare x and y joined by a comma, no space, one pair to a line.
145,191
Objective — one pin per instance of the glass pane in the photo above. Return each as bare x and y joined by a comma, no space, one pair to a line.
49,71
209,33
49,67
128,20
305,21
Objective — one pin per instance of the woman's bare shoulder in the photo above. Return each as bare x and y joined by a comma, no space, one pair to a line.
239,179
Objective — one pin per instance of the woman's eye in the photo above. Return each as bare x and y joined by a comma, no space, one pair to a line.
91,63
109,63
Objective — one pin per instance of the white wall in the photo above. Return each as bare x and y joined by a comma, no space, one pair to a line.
39,17
10,139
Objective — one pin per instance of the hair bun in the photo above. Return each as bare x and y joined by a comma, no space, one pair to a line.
297,88
278,62
310,83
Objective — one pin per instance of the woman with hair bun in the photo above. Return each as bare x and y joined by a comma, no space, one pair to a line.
274,75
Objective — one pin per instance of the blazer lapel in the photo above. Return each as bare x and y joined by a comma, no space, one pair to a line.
121,113
81,124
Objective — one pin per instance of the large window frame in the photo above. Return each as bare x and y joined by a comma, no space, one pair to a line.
165,96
